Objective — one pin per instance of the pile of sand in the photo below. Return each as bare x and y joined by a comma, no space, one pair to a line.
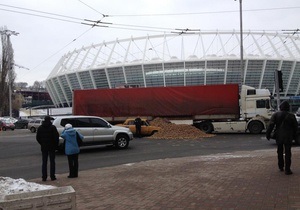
174,131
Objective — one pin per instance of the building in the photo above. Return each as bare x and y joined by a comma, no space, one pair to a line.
35,97
185,59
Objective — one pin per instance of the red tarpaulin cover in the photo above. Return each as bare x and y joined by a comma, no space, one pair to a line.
158,101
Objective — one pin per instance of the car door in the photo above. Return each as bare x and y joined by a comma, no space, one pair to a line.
131,126
145,128
102,130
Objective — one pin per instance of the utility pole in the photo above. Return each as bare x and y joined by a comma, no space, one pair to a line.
8,33
277,89
241,44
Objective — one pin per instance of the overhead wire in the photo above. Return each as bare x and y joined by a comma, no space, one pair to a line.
99,23
92,8
38,11
43,16
68,19
203,13
64,47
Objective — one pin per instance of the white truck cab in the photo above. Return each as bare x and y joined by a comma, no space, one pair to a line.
255,113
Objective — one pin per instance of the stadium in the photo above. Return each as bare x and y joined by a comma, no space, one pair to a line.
180,59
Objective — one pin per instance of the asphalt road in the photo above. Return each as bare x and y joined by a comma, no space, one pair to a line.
20,155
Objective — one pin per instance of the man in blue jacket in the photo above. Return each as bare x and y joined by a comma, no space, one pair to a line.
48,137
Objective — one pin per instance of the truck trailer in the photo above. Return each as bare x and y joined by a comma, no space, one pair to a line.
211,108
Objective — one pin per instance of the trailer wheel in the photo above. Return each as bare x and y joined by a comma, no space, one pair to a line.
255,127
206,126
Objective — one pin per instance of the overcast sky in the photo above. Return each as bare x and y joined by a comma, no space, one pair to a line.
48,29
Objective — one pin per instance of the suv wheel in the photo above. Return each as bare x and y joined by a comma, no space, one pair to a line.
122,141
32,130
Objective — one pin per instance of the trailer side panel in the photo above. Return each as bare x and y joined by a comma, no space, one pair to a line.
185,101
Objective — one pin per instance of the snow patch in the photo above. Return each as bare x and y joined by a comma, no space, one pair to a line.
14,186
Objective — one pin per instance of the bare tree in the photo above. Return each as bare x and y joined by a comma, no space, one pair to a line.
21,85
36,85
7,69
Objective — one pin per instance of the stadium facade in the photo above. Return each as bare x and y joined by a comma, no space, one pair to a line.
186,59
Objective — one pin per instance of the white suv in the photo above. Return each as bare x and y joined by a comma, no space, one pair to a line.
96,131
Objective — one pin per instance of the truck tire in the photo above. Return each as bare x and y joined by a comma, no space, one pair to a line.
122,141
255,127
206,127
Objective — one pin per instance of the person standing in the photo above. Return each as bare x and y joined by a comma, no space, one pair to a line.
286,126
47,136
138,127
72,150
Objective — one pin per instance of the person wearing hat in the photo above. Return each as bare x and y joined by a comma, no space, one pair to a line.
286,126
47,136
72,142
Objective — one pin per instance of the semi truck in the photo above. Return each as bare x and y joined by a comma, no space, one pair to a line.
211,108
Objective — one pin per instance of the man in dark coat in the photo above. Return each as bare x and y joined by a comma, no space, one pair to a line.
286,126
138,127
48,137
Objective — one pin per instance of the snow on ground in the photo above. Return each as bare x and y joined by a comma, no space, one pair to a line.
13,186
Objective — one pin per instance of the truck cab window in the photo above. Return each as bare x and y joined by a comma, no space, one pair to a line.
261,104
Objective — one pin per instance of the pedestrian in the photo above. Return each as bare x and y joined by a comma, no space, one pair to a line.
285,125
48,137
138,127
72,142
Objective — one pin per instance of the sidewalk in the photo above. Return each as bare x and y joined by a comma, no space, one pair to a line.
241,180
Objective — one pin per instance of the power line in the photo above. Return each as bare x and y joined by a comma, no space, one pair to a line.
99,23
204,13
93,9
26,13
39,11
63,48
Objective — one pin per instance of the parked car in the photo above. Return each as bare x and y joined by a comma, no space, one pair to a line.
146,128
21,123
7,124
34,124
96,131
